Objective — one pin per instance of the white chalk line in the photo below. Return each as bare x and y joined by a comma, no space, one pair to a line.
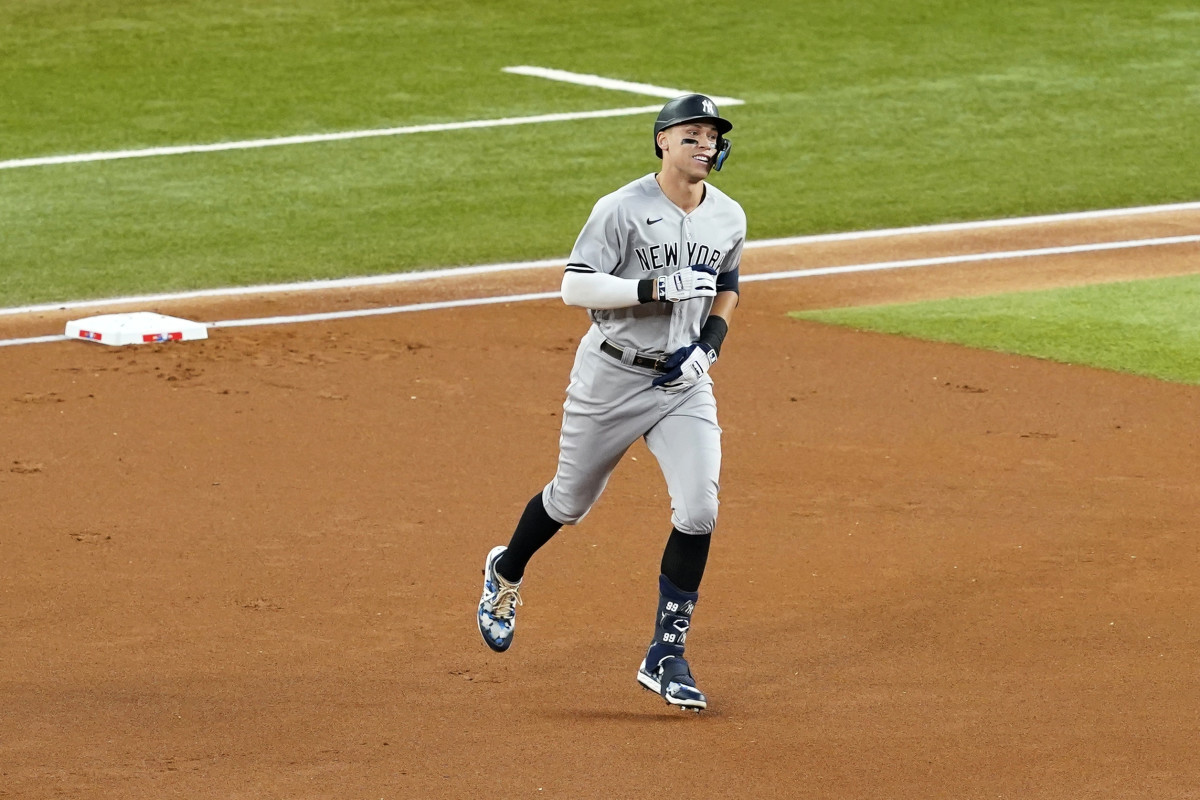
341,136
453,272
33,340
1001,255
767,276
583,79
783,275
284,288
375,312
983,224
252,144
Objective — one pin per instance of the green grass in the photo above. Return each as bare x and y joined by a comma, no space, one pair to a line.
859,114
1148,327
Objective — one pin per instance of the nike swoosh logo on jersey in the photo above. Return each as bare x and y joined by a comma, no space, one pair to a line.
652,221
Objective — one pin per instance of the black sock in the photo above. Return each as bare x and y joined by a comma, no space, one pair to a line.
684,559
534,529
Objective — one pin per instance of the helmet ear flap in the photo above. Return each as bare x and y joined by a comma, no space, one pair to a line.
723,148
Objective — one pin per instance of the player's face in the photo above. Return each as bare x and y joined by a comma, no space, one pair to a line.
690,147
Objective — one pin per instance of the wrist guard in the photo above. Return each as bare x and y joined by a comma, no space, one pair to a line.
713,333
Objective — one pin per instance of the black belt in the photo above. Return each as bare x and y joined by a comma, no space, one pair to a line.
646,362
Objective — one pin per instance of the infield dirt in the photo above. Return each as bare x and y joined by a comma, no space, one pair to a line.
248,566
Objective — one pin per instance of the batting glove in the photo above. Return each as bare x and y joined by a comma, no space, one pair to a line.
686,366
697,280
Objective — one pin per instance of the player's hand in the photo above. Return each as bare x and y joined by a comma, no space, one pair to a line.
698,280
686,366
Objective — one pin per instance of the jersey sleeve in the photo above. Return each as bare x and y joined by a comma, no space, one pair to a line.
599,246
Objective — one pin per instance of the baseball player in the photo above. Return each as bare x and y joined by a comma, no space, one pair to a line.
656,265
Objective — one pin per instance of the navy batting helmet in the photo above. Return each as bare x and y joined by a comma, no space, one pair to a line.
689,108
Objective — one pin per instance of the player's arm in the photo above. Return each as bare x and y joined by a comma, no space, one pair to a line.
690,363
585,287
712,332
591,289
722,308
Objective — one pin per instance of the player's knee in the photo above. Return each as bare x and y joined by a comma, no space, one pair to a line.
568,513
571,517
698,518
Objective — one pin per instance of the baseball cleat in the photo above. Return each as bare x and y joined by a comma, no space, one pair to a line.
498,605
673,681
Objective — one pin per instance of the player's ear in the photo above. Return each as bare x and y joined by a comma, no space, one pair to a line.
662,140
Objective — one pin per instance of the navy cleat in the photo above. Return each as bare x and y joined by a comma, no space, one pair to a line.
498,605
673,681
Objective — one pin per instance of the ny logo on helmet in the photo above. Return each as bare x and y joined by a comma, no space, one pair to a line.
709,107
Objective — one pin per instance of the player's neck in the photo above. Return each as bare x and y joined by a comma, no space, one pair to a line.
682,190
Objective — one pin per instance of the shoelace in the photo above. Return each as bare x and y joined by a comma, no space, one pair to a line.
506,599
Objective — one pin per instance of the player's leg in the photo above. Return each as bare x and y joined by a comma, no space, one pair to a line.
687,444
602,417
534,529
597,429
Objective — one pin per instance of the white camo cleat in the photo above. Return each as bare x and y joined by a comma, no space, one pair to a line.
673,681
498,605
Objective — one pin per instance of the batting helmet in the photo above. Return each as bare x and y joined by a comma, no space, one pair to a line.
689,108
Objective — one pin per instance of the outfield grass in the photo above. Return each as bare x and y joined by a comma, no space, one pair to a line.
859,114
1148,327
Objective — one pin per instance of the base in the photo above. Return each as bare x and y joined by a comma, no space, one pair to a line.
138,327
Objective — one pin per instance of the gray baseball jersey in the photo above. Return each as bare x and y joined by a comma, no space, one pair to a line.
637,233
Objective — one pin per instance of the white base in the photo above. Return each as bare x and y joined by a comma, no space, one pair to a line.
138,327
